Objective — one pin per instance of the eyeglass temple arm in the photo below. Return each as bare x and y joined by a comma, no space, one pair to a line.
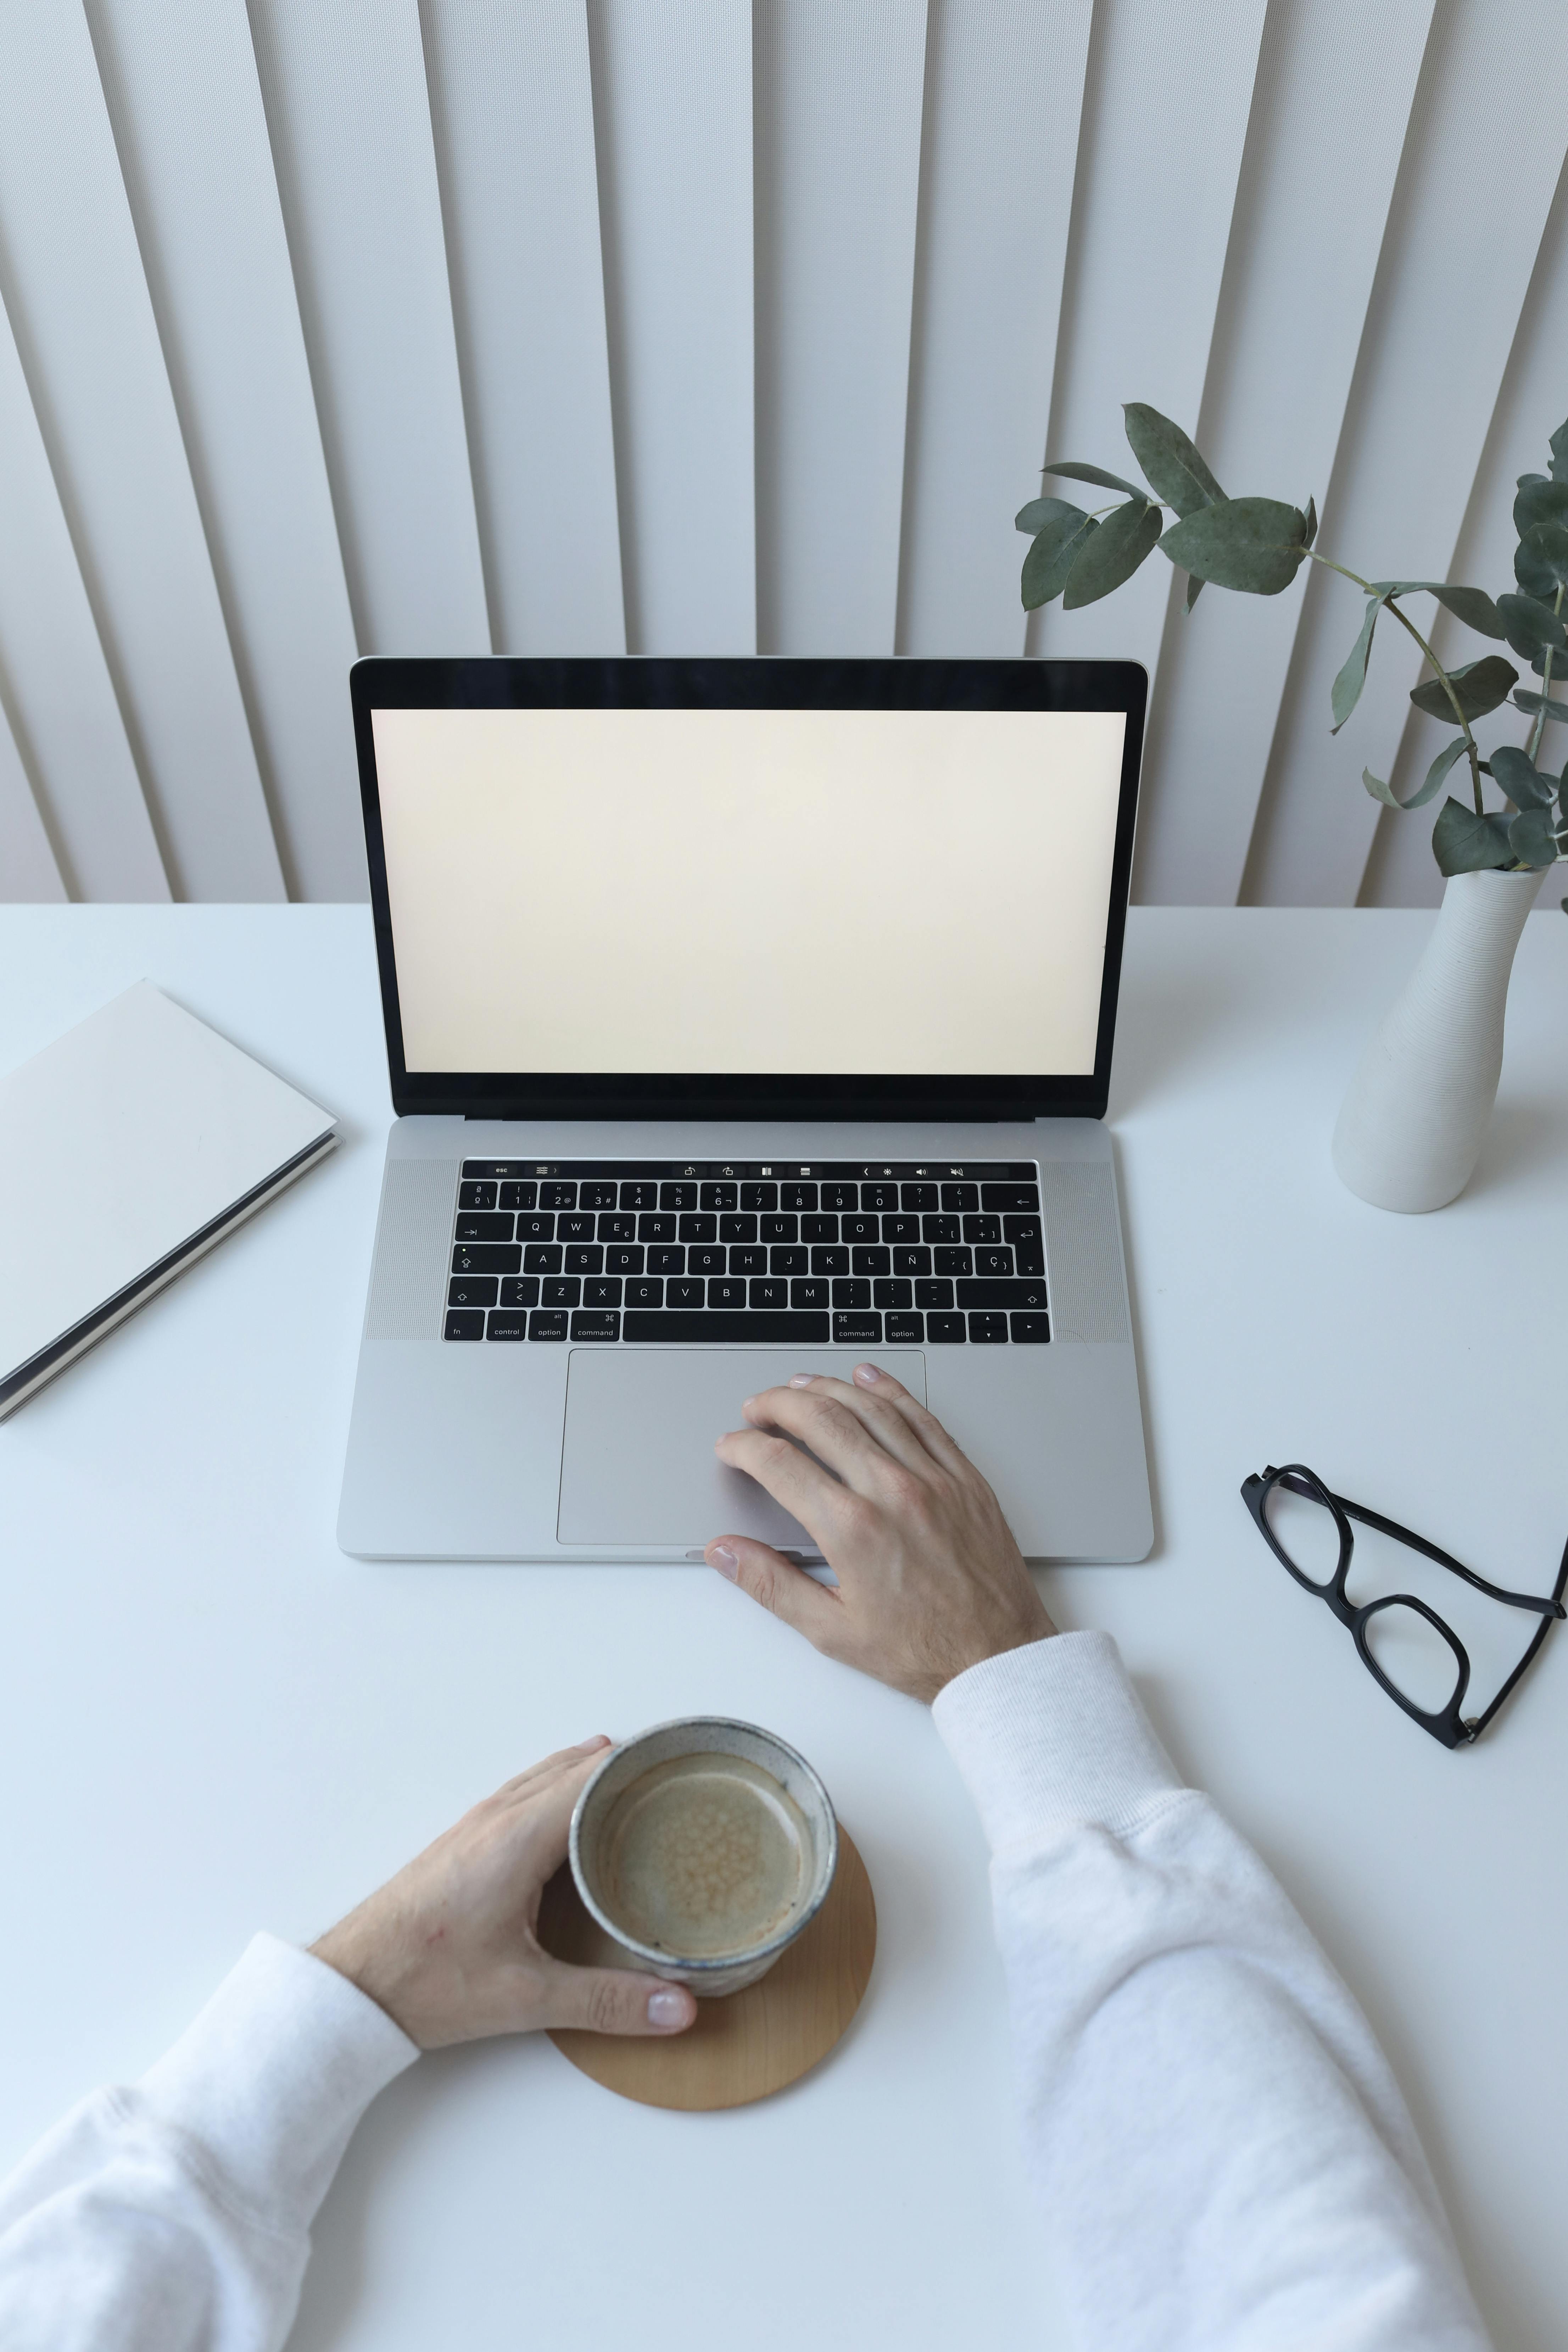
1475,1729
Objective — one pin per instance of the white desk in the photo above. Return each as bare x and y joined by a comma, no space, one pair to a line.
211,1720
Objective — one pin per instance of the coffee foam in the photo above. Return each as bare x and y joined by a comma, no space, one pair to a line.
703,1855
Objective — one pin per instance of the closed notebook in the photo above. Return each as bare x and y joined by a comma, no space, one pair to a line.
127,1149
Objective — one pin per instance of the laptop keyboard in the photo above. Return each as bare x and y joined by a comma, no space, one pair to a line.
859,1255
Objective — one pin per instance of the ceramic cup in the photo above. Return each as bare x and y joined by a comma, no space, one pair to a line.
704,1847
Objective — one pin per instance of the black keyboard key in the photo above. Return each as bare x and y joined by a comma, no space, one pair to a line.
770,1292
475,1195
685,1293
1030,1330
748,1258
1029,1257
519,1196
472,1290
538,1225
598,1196
982,1229
857,1330
912,1261
988,1330
789,1257
941,1229
486,1257
953,1261
718,1196
858,1227
476,1227
558,1196
519,1290
602,1290
764,1196
871,1261
879,1196
827,1260
819,1229
544,1323
1010,1196
616,1226
984,1293
667,1259
916,1196
905,1331
561,1290
463,1323
491,1168
737,1229
946,1330
813,1291
841,1196
961,1196
678,1196
590,1326
893,1293
933,1293
1020,1229
507,1323
789,1329
624,1257
702,1228
797,1196
727,1291
585,1258
900,1229
576,1227
994,1261
780,1229
851,1292
645,1290
661,1227
541,1257
639,1196
708,1257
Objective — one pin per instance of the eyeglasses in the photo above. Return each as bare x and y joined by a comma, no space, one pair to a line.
1300,1521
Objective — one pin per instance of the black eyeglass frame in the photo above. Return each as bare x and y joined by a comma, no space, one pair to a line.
1445,1724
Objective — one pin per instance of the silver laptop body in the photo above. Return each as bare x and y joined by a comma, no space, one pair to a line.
619,1198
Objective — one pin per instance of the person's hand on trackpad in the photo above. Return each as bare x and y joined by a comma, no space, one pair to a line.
930,1579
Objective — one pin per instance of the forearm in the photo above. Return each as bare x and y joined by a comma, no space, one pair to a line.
173,2215
1222,2154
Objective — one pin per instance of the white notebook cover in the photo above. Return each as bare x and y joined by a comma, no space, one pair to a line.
118,1144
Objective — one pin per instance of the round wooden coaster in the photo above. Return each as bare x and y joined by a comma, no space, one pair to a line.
754,2041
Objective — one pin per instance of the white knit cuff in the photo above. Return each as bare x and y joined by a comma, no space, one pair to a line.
1052,1733
274,2074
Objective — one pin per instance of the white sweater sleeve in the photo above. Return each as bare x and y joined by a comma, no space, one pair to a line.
174,2215
1222,2155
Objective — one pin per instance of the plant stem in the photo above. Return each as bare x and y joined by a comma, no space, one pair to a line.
1447,683
1538,730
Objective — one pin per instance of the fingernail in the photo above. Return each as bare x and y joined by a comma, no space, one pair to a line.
664,2008
747,1403
801,1380
727,1563
866,1373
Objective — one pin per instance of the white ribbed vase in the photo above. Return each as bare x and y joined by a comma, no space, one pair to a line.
1412,1125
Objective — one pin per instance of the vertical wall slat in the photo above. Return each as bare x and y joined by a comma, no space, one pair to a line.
28,870
1424,390
180,80
1166,100
1003,99
83,320
837,132
1335,83
512,104
349,118
672,114
67,730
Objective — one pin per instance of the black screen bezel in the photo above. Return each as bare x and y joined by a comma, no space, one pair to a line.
746,682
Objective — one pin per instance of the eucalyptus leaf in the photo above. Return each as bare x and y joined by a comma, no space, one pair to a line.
1558,445
1527,700
1540,560
1126,536
1532,839
1254,545
1070,470
1194,590
1521,779
1311,523
1540,499
1471,605
1463,843
1052,556
1346,692
1040,511
1530,626
1169,459
1429,787
1480,685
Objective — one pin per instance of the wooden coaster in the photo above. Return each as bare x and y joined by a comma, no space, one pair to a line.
749,2044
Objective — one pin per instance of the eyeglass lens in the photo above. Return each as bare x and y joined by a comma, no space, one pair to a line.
1409,1651
1305,1531
1414,1657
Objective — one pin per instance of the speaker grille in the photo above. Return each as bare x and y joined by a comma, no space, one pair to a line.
1083,1251
408,1279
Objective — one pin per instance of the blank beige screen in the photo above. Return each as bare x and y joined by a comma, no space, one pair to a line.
735,891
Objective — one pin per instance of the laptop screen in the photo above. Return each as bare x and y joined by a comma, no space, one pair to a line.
749,891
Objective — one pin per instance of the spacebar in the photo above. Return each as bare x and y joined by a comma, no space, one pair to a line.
803,1329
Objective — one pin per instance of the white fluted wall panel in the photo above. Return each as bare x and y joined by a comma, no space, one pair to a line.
26,861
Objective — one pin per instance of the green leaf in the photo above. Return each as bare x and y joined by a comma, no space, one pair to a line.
1311,523
1558,445
1346,692
1532,839
1540,500
1521,779
1052,556
1073,472
1529,626
1125,537
1463,843
1480,685
1194,590
1429,786
1471,605
1527,700
1254,545
1040,511
1540,560
1169,459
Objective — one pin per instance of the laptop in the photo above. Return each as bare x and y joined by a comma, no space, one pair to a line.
744,1017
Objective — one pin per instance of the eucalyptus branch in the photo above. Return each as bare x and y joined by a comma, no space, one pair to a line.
1390,605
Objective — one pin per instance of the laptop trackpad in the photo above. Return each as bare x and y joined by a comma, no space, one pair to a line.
638,1466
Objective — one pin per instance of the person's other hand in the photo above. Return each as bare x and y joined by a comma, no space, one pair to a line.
930,1579
450,1947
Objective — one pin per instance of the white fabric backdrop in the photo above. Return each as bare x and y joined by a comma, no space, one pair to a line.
438,326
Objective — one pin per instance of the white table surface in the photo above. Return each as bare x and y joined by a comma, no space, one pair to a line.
211,1720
